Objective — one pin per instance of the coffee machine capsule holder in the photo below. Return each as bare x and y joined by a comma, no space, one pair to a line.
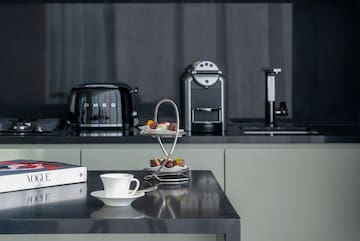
179,175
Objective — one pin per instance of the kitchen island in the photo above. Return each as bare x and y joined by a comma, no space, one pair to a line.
199,206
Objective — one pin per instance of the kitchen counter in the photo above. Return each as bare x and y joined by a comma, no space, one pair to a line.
327,134
199,206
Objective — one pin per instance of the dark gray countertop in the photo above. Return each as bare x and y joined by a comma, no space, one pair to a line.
199,206
327,134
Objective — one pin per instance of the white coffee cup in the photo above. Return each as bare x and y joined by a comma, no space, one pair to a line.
118,184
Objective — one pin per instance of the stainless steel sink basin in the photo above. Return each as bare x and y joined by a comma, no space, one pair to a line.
278,130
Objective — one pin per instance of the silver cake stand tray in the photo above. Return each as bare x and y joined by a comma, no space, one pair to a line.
178,177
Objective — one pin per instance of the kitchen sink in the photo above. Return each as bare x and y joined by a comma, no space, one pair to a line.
277,130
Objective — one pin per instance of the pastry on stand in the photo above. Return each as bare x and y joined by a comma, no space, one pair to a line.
166,170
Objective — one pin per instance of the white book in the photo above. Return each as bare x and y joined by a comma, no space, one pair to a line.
28,174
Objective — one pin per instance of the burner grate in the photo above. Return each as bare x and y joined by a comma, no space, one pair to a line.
46,125
13,125
6,124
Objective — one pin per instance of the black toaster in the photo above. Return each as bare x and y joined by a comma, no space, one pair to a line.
102,105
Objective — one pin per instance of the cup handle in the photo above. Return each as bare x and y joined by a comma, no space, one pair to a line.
137,186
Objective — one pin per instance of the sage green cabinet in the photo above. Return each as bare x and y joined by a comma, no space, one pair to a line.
137,157
57,153
297,192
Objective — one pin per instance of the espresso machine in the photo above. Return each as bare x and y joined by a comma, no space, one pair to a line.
204,98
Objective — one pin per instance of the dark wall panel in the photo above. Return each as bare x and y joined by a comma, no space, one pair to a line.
23,53
324,76
316,43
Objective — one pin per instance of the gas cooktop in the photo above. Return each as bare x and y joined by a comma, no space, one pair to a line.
54,127
15,126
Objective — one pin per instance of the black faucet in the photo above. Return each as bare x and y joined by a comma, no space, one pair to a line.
270,110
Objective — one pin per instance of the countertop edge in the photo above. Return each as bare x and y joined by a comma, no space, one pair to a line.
186,140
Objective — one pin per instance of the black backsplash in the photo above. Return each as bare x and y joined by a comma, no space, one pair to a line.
316,43
325,84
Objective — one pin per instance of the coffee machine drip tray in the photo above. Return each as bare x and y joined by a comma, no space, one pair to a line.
206,115
207,127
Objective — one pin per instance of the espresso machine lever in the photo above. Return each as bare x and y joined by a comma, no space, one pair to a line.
270,110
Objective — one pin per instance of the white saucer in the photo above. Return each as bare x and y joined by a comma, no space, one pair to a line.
116,201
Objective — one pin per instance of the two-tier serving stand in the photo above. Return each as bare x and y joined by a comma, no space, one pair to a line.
176,174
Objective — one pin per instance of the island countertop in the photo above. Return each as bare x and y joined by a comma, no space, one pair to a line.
82,213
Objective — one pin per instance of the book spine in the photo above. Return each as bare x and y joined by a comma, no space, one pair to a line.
39,179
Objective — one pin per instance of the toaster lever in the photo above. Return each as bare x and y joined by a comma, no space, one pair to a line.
134,91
